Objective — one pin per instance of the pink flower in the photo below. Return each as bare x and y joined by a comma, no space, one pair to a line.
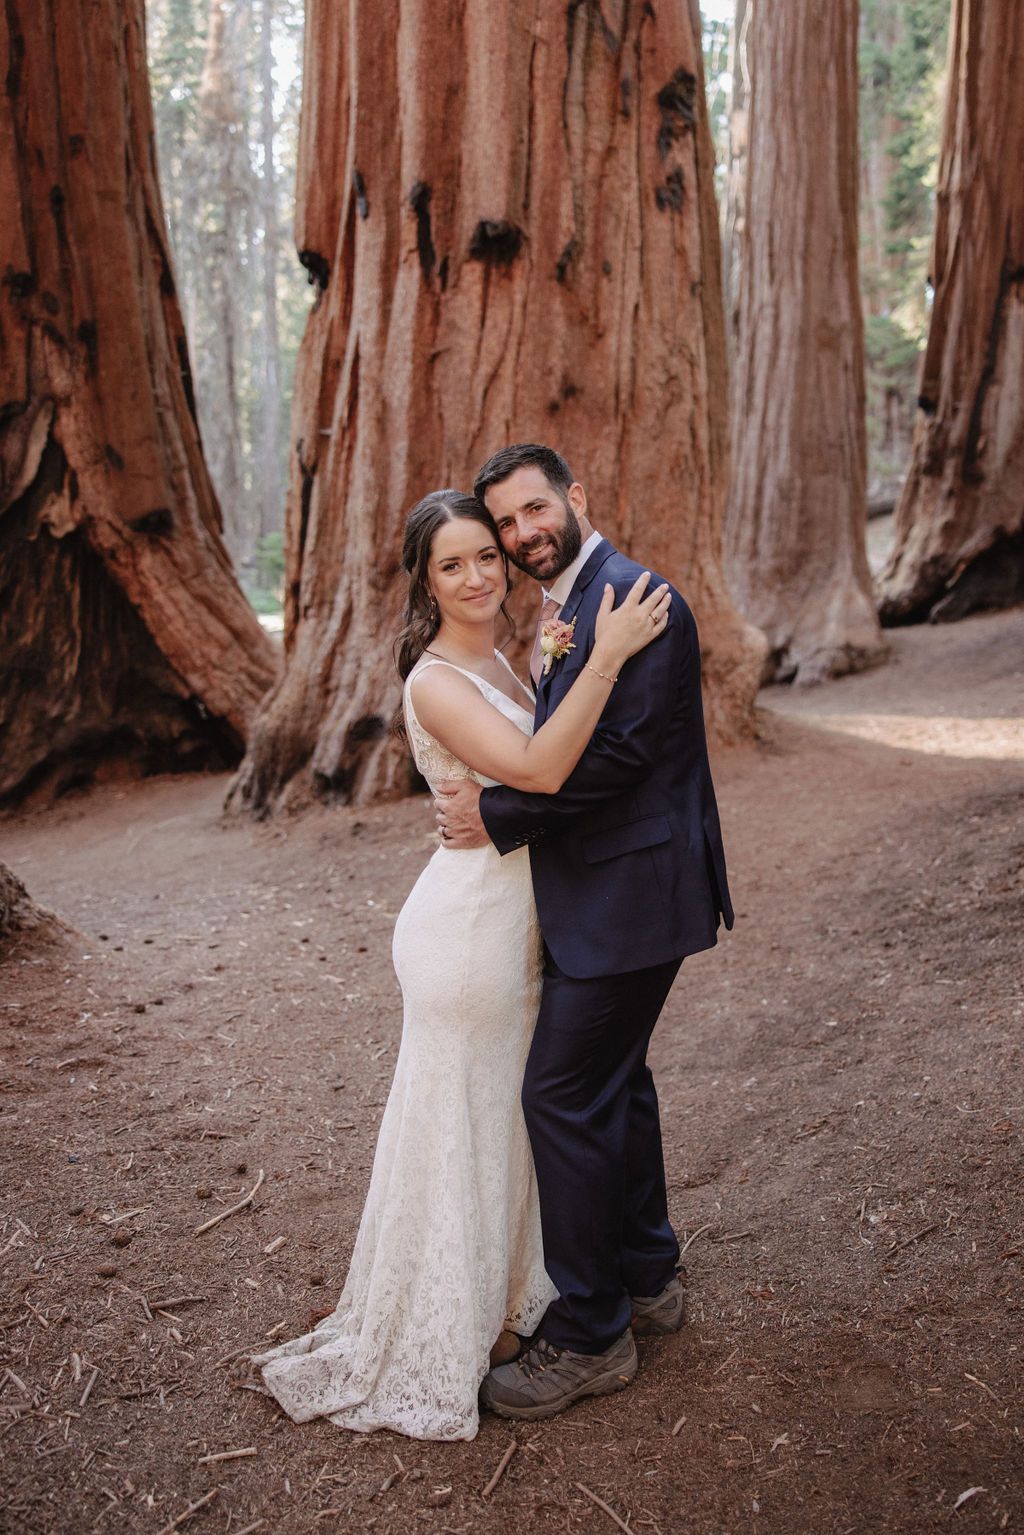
556,641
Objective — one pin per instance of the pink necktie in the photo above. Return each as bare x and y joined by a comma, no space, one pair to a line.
550,610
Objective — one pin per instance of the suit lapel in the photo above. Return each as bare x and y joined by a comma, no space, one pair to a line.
570,609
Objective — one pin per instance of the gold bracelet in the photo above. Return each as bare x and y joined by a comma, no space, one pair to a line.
603,676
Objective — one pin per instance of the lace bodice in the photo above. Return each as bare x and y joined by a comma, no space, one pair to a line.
435,761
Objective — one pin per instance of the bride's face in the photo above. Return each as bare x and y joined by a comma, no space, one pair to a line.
466,572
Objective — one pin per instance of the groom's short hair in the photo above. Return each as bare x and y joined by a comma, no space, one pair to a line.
524,455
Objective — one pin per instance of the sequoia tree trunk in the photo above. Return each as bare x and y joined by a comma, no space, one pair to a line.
20,914
509,215
960,520
795,525
270,491
223,175
734,211
123,633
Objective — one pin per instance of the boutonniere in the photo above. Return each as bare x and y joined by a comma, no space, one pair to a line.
556,641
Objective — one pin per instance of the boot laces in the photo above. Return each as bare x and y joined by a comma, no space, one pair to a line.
539,1357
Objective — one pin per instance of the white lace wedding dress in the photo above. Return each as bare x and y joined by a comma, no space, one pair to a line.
449,1246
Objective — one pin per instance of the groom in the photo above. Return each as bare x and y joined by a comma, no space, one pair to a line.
629,877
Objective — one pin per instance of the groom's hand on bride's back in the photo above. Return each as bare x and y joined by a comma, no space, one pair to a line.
457,812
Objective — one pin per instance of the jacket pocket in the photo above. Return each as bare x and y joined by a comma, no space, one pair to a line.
629,838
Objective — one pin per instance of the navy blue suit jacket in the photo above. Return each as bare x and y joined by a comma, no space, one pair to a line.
627,859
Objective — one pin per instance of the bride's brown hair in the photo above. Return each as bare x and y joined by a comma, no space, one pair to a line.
421,618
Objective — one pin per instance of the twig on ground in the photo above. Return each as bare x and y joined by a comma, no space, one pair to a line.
166,1386
224,1214
207,1460
236,1353
898,1246
126,1215
500,1472
698,1233
92,1381
257,1525
193,1508
982,1384
677,1425
602,1505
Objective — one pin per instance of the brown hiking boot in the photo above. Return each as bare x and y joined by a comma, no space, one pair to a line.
547,1379
655,1316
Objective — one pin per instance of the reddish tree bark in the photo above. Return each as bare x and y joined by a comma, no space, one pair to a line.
123,632
795,525
509,216
734,211
960,518
20,914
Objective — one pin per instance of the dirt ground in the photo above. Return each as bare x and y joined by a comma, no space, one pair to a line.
842,1091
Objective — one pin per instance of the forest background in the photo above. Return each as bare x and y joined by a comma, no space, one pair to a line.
196,1053
226,82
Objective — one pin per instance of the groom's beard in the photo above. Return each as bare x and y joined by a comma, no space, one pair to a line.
548,554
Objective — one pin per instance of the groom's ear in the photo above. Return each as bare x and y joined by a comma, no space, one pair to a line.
577,499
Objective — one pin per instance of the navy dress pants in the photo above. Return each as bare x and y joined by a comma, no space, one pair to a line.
592,1115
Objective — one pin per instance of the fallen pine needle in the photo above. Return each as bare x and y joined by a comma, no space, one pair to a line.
224,1214
602,1505
207,1460
500,1472
193,1508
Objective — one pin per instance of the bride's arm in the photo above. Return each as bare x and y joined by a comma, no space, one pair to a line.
455,712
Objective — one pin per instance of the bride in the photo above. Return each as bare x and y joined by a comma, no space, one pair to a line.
448,1265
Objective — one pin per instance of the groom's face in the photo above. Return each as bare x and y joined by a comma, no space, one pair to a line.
538,526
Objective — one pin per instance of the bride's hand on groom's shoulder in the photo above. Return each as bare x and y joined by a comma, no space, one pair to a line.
457,812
